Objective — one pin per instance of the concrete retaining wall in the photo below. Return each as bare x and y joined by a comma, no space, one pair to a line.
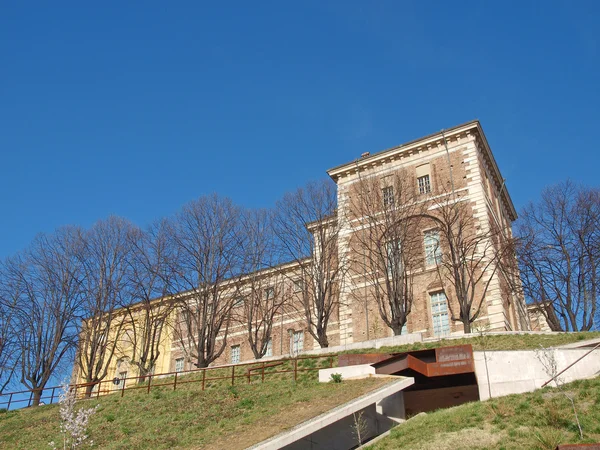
513,372
347,372
333,429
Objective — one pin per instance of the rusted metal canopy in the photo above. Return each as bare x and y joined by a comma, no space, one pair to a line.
355,359
437,362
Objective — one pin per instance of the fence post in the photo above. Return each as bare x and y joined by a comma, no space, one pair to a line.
232,375
203,377
263,372
51,396
295,369
149,381
99,387
330,362
123,388
9,402
30,398
175,382
248,375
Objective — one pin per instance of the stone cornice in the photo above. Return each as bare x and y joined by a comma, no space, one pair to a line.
394,153
435,140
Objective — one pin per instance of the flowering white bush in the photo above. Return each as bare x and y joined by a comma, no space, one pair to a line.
73,423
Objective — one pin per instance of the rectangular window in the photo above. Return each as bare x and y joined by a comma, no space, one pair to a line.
388,196
433,251
235,354
185,316
122,379
394,257
269,293
179,365
297,343
238,302
298,285
424,184
439,314
269,348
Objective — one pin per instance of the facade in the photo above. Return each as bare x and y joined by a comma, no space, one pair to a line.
455,164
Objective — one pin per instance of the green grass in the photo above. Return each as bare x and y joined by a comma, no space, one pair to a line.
536,420
493,342
236,417
223,416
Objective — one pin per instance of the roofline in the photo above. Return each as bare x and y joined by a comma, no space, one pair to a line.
444,133
177,296
369,159
506,195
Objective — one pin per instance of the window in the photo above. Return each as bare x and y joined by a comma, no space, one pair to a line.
424,184
179,365
269,293
439,314
185,316
298,285
423,178
269,348
394,257
235,354
388,196
297,344
238,302
122,379
433,251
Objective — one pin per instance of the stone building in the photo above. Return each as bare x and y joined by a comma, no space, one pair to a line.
442,170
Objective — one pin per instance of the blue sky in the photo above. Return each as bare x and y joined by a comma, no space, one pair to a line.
134,110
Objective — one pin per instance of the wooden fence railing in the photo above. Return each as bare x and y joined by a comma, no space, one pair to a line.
230,373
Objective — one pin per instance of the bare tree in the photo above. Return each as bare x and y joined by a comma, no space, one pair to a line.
467,255
547,357
559,255
206,238
360,427
46,279
8,343
151,305
388,243
105,260
307,228
262,290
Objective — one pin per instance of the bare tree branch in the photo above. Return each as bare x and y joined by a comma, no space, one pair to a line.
46,286
206,239
106,283
307,227
386,219
559,257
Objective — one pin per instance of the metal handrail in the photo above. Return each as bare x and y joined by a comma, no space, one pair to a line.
259,366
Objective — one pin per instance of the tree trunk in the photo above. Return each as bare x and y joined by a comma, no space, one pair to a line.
323,340
397,329
466,326
201,364
88,390
37,395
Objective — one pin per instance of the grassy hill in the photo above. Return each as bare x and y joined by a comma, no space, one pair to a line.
236,417
231,417
537,420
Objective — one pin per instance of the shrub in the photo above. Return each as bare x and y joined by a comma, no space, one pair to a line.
336,377
73,422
